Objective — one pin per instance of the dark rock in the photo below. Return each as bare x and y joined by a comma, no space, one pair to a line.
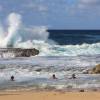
27,52
82,90
38,70
20,52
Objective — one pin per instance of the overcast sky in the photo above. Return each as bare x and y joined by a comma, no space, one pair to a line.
55,14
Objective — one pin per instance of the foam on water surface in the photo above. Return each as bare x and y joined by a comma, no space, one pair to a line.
37,72
61,60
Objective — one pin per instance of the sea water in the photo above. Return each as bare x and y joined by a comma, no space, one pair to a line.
64,53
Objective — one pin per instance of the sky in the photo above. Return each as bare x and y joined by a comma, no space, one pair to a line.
55,14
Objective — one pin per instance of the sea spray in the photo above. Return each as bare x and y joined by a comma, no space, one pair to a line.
14,22
7,37
19,36
2,35
17,32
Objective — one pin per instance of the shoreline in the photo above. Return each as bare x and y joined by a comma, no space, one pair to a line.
49,95
50,89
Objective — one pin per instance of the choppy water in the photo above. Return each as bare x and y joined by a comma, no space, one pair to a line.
67,43
36,72
69,52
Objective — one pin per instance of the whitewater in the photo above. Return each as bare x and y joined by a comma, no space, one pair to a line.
36,72
16,35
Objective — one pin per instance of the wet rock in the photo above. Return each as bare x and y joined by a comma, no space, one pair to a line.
38,70
95,70
26,52
20,52
82,90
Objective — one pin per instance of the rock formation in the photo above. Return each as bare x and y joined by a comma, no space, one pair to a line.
95,70
20,52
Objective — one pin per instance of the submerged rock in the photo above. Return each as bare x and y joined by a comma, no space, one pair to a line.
38,70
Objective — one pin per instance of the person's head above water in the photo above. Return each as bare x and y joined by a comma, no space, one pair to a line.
54,76
73,76
12,78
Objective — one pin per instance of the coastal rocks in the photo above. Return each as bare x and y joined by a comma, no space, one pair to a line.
26,52
19,52
95,70
82,90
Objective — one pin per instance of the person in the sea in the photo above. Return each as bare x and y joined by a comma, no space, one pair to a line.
73,76
12,78
54,76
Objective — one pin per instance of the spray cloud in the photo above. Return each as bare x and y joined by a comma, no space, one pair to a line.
18,33
14,22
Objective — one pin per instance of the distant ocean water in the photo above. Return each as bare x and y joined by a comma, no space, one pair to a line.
70,43
75,37
65,52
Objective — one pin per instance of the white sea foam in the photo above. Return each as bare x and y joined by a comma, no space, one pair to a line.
17,35
17,32
47,49
24,69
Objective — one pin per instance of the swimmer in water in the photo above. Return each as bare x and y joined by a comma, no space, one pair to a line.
73,76
12,78
54,76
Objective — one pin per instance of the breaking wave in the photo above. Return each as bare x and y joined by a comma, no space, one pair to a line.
17,35
16,32
47,49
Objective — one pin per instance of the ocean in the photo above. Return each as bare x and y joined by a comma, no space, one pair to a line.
62,52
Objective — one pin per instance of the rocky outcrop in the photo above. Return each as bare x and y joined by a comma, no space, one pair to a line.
27,52
20,52
95,70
